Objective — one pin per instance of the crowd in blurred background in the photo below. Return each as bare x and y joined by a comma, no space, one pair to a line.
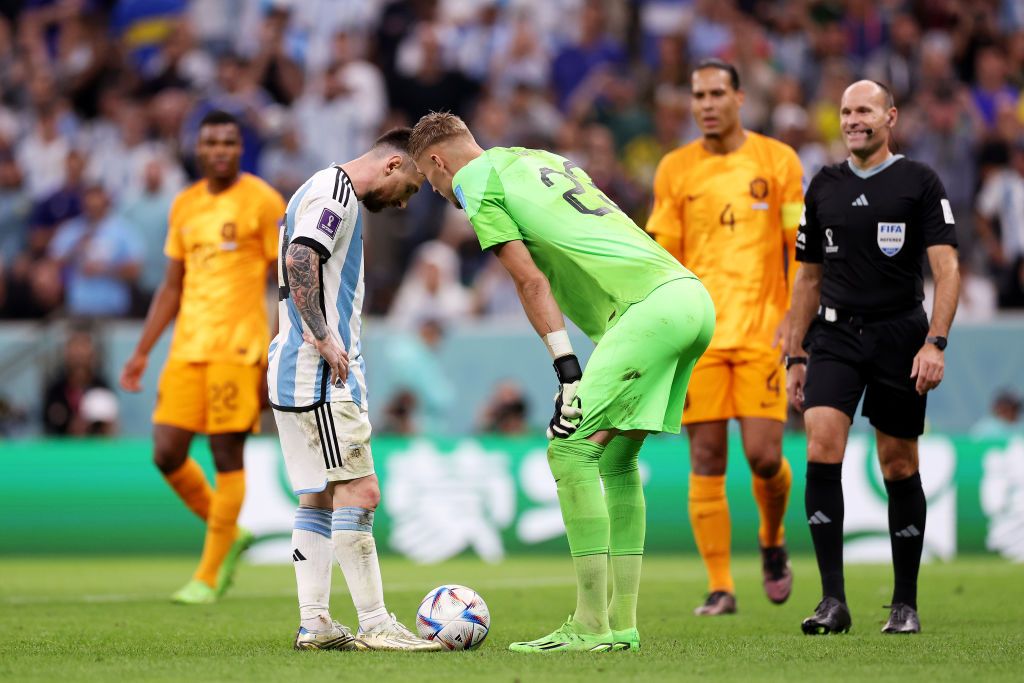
101,101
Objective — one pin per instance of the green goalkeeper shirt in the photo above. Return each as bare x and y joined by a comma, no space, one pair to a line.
596,258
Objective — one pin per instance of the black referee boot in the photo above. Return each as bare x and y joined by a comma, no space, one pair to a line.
831,616
902,619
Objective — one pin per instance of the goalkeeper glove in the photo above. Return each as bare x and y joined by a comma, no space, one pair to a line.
567,403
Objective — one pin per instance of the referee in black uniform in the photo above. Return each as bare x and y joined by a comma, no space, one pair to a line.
857,316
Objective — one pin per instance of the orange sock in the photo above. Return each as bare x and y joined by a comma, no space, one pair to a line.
772,496
189,482
709,516
222,525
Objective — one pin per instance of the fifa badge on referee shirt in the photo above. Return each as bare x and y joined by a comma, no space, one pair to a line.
891,237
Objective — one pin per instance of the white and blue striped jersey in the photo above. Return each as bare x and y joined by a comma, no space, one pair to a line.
323,215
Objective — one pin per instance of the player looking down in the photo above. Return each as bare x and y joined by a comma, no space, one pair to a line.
317,383
569,248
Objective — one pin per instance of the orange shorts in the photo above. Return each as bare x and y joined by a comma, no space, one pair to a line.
732,383
209,398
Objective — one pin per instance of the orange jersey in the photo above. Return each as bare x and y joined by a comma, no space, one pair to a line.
226,241
731,219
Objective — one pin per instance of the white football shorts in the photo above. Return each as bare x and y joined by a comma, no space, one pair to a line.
329,443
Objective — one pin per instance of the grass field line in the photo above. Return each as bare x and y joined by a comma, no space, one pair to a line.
565,580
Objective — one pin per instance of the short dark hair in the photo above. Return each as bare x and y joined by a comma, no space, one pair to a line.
890,100
219,117
715,63
396,139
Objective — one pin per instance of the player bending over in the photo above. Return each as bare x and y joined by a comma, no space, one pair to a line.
569,248
317,383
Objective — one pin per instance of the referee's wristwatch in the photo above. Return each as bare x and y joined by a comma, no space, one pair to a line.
939,342
795,360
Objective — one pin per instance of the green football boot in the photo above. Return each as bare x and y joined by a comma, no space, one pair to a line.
626,639
226,575
195,592
567,638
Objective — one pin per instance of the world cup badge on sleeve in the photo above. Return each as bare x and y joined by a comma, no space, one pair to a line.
329,222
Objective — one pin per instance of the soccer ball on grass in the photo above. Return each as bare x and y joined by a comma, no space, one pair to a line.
455,616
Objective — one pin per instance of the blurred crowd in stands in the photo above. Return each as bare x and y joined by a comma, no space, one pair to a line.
100,102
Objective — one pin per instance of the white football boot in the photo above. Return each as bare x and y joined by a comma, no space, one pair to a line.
390,634
333,636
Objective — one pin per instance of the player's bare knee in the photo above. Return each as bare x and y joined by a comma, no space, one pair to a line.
363,492
765,462
228,450
895,470
825,448
707,459
167,459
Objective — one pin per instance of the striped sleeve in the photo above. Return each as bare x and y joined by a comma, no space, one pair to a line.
326,214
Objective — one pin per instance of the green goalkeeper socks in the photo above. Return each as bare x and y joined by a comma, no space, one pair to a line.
627,512
574,465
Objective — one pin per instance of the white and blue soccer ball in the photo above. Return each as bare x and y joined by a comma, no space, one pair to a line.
455,616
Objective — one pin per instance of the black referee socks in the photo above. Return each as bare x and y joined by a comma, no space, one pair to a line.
907,511
823,501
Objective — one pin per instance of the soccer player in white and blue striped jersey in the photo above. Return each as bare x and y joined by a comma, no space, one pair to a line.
317,383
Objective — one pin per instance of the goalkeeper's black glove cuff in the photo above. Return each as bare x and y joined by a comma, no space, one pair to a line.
568,369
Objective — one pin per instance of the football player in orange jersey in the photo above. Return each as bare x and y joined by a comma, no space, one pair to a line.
221,241
727,205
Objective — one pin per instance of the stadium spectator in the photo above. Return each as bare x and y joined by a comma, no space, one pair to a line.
588,57
946,143
424,394
14,209
59,206
146,210
992,92
348,96
897,62
426,82
101,257
1004,420
178,63
523,61
285,162
273,68
505,411
1000,203
431,287
236,92
42,153
119,163
78,399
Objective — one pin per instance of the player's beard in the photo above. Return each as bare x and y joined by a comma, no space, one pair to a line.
374,201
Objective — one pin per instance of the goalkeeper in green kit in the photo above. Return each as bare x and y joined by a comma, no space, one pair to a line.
570,249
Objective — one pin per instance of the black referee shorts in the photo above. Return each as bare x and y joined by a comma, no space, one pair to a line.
849,358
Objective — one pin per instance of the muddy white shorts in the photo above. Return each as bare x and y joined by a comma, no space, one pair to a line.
329,443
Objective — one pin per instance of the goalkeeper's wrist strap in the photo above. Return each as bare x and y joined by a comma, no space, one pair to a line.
568,369
558,344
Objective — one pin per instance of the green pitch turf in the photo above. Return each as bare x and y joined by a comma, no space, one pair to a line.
108,619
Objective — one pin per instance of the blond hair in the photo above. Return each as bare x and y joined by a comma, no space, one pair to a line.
435,127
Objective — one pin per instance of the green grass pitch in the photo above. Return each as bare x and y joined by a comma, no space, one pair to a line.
108,619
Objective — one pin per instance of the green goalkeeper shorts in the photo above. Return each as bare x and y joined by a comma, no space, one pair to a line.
637,376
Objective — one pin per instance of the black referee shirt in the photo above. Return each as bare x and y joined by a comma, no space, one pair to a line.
870,230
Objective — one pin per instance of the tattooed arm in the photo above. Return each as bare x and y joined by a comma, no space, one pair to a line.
303,267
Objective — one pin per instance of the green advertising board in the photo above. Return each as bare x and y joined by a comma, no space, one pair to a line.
486,496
